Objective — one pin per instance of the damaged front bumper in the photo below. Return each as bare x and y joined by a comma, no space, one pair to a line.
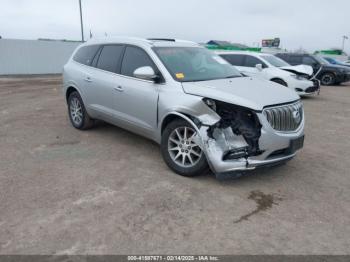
314,89
226,151
305,87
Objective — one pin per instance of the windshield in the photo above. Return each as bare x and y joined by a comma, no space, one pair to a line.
275,61
331,60
321,60
334,61
187,64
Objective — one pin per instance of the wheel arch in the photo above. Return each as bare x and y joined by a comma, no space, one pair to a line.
177,115
328,72
274,79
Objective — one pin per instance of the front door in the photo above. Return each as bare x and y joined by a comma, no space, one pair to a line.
249,66
136,100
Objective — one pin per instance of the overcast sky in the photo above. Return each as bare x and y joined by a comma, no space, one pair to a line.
311,24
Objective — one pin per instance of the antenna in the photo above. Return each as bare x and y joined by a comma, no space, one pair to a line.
81,22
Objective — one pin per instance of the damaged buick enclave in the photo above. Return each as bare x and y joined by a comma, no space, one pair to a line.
199,108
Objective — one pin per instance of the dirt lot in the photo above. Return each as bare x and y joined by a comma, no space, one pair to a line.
107,191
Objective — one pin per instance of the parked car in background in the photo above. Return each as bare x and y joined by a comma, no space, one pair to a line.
270,67
327,73
198,107
334,61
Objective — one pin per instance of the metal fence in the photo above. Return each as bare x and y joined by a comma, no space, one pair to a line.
27,57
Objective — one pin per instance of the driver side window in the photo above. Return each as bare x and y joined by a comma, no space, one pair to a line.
251,61
309,61
134,58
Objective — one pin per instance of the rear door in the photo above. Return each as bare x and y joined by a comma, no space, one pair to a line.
136,100
103,79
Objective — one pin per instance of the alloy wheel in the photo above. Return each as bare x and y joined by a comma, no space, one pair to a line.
182,149
327,79
76,111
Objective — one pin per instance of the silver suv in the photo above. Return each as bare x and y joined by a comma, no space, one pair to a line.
199,108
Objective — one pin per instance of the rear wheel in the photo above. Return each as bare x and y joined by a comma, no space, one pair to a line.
77,112
180,151
328,79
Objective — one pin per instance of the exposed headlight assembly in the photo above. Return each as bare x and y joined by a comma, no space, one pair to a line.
210,103
298,77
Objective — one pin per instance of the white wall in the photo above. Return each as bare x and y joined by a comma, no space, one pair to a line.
19,57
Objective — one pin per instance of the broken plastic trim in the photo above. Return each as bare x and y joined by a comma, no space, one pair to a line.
242,121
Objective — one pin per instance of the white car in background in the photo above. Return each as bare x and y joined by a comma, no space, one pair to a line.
270,67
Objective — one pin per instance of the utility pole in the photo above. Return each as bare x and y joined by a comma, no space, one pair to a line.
81,22
344,38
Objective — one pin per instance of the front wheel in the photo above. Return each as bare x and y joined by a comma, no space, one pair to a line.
180,152
327,79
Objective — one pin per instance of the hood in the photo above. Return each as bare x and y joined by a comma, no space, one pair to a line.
335,67
299,69
248,92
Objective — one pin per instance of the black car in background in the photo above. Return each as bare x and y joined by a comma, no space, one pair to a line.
327,73
334,61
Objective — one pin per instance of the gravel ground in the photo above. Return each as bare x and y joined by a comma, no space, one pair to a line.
107,191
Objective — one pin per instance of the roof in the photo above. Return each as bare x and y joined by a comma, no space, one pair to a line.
239,45
219,42
141,41
241,52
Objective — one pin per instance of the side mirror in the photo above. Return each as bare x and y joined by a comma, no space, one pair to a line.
146,73
259,67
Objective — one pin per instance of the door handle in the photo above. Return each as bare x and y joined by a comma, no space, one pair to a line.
88,79
119,89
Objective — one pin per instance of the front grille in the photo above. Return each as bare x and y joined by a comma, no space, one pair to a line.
286,117
313,88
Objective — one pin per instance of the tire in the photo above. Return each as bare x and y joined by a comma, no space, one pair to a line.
279,81
327,79
78,116
182,154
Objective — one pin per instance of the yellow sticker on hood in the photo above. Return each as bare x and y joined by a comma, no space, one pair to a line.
180,75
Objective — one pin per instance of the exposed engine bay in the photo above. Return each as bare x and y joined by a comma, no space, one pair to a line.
302,70
238,131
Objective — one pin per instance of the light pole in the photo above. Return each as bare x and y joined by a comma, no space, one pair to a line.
81,22
344,38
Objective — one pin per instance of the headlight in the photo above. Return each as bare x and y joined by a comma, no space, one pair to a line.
298,77
210,102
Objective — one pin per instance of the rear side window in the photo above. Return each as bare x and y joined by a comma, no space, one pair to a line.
252,61
110,57
295,60
134,58
85,54
236,60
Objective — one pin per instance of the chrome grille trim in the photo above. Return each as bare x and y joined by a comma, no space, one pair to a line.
285,118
